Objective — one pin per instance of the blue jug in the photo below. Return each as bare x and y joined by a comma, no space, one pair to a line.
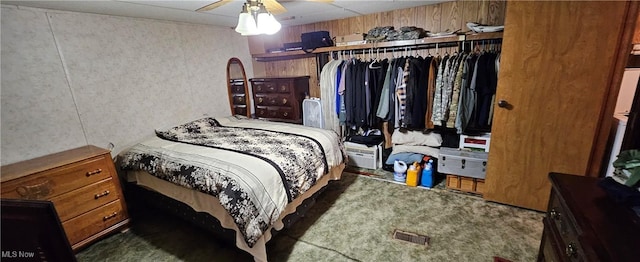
427,175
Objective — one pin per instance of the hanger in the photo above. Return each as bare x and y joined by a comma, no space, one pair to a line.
374,62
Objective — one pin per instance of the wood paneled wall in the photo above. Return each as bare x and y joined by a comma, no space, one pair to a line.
636,34
449,16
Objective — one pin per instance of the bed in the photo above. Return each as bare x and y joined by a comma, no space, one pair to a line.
250,175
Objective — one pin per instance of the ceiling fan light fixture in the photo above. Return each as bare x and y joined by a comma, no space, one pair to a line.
246,23
254,19
267,24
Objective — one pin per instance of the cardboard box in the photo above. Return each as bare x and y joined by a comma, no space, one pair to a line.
349,38
361,42
465,184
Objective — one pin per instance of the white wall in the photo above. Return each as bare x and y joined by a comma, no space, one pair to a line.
627,91
71,79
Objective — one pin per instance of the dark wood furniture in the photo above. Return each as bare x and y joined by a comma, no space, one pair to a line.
584,224
32,229
280,98
83,185
238,88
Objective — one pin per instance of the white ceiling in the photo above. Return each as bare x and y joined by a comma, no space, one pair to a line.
298,12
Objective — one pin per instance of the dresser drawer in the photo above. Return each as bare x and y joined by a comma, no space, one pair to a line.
240,110
237,88
550,244
272,100
48,184
275,112
92,222
562,221
266,112
273,87
239,100
81,200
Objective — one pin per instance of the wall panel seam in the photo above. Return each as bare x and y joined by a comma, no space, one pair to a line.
66,76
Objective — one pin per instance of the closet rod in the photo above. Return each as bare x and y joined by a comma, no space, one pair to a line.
392,49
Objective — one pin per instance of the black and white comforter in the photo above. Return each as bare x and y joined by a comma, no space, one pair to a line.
253,167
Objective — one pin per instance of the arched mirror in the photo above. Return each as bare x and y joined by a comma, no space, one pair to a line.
238,88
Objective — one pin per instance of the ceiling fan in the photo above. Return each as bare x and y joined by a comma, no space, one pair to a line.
273,6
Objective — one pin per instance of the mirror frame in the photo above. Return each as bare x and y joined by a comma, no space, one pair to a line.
247,97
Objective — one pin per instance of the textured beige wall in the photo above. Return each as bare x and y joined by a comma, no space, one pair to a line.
71,79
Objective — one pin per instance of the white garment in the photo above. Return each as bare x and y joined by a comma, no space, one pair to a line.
328,95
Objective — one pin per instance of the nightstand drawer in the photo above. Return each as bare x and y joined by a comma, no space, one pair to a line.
76,202
54,182
92,222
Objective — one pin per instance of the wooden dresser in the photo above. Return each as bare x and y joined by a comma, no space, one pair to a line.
584,224
280,98
82,184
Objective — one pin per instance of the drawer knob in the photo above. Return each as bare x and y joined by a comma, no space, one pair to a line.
283,88
285,114
99,195
272,88
110,216
554,214
94,172
284,101
260,99
571,250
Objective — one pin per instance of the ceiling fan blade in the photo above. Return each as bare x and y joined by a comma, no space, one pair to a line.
274,7
213,5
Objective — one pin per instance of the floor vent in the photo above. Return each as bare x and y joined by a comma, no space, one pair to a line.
411,237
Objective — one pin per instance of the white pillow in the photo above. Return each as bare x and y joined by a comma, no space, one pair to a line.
416,138
425,150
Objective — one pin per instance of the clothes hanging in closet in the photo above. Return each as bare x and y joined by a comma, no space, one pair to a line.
452,91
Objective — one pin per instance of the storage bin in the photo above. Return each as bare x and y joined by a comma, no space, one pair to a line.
462,163
480,142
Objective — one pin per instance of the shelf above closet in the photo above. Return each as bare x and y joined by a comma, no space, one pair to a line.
286,55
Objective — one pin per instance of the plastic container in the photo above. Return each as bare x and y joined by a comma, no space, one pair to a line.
427,175
413,174
399,171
